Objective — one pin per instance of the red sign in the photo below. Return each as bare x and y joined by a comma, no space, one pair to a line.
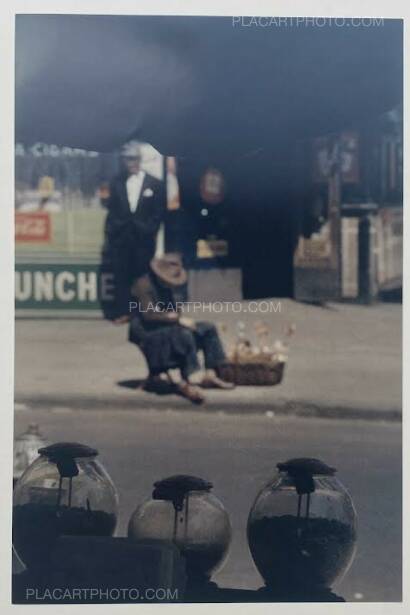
33,227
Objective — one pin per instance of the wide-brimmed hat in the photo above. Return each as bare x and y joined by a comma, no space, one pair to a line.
169,270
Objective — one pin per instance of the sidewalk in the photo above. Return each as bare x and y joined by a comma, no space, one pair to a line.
345,362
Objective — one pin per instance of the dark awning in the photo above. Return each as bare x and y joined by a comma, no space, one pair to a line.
192,84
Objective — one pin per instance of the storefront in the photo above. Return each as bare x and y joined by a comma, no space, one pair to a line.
353,222
322,221
60,210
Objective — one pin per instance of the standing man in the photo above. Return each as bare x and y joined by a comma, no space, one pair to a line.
136,208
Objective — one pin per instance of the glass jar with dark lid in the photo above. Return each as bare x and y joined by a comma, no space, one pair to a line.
302,527
66,491
183,510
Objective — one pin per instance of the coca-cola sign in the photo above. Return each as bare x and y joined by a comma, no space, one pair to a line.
33,226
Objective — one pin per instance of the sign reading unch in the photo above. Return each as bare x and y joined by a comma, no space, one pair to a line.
62,286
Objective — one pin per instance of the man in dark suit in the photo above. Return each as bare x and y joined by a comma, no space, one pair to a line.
136,208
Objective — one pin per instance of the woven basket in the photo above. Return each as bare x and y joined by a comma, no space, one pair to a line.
252,373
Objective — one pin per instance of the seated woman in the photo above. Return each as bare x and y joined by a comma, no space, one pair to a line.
167,338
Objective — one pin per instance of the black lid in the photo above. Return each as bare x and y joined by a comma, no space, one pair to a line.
175,488
64,454
302,470
67,450
306,465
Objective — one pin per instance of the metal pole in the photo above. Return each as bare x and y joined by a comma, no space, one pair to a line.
334,200
366,270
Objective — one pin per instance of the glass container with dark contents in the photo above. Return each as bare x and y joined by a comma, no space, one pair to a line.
66,491
302,527
183,511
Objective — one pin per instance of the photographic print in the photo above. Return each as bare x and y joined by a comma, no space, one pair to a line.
208,319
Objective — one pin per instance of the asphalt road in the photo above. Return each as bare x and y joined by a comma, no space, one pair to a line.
238,454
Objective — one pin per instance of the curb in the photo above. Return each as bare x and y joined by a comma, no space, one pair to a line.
146,401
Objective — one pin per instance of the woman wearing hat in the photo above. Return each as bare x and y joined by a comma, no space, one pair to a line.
167,338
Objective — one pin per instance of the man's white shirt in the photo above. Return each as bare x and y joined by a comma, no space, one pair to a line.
134,187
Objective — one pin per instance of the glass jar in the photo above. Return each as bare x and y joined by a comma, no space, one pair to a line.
302,527
183,511
26,450
66,491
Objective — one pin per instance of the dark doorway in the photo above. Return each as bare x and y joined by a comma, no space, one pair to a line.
262,216
256,217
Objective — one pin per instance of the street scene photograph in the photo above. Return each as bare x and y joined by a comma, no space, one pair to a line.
208,219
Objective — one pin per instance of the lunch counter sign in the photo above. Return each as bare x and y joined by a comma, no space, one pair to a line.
62,286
